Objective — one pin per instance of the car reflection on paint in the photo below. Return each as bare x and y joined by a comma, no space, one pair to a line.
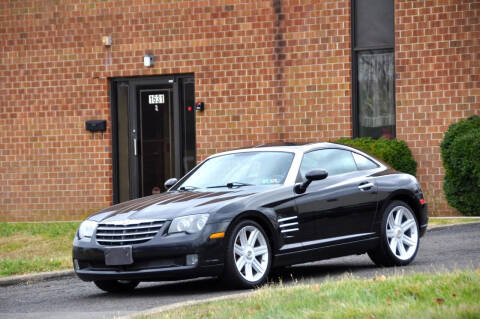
238,214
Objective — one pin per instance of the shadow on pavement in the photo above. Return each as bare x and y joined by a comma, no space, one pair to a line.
305,272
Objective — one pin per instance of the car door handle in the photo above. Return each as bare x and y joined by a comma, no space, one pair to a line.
366,186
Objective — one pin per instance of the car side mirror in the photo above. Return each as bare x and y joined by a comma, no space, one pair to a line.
170,182
313,175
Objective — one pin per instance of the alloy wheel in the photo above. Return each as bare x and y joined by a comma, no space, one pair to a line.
251,253
402,232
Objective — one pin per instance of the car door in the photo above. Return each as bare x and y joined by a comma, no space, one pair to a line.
341,207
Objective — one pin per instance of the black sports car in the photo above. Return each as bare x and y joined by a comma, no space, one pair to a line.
240,213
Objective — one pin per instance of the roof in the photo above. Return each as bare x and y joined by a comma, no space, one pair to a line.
298,149
285,147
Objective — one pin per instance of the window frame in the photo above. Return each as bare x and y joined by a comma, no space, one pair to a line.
354,80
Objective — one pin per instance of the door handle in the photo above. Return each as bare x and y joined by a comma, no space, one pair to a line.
135,146
366,186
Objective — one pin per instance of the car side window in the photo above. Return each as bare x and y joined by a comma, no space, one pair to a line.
363,162
334,161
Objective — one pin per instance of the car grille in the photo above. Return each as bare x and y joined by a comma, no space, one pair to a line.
127,233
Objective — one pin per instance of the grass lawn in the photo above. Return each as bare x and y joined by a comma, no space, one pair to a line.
35,247
455,295
436,221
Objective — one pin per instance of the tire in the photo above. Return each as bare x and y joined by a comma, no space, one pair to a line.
399,236
247,263
116,286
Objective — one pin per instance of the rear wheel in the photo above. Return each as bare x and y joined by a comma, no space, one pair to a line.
399,236
248,257
116,286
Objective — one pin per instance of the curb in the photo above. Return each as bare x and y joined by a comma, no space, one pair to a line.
440,227
14,280
160,309
454,217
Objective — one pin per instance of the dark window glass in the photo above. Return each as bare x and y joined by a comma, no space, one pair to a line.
156,142
334,161
373,23
376,107
363,162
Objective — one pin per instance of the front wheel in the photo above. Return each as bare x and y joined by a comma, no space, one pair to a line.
248,256
116,286
399,236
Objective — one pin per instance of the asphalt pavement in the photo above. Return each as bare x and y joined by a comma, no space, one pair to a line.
440,250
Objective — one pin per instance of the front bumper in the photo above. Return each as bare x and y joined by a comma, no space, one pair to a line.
162,258
155,274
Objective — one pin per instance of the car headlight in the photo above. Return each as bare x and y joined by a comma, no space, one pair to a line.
189,224
86,229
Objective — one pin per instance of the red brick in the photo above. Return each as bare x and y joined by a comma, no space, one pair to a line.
54,75
448,101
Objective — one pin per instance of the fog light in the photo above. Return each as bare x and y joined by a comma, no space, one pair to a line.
75,264
192,260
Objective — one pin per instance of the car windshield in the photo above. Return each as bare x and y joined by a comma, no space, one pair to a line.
240,169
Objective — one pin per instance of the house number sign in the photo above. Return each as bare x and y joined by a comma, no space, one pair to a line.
156,99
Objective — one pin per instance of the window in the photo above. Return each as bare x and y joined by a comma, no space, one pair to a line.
334,161
373,76
256,168
376,109
363,162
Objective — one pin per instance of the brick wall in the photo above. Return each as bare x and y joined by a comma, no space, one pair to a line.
313,74
266,70
290,81
437,61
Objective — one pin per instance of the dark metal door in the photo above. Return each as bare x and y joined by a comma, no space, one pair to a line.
340,207
153,126
154,140
337,209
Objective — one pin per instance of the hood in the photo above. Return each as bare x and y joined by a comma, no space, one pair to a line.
173,204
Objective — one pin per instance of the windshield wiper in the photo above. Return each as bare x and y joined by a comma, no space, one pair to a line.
188,188
231,185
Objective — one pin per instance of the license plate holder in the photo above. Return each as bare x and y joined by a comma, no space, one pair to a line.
117,256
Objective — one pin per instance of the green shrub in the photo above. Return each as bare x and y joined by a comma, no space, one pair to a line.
393,152
461,159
